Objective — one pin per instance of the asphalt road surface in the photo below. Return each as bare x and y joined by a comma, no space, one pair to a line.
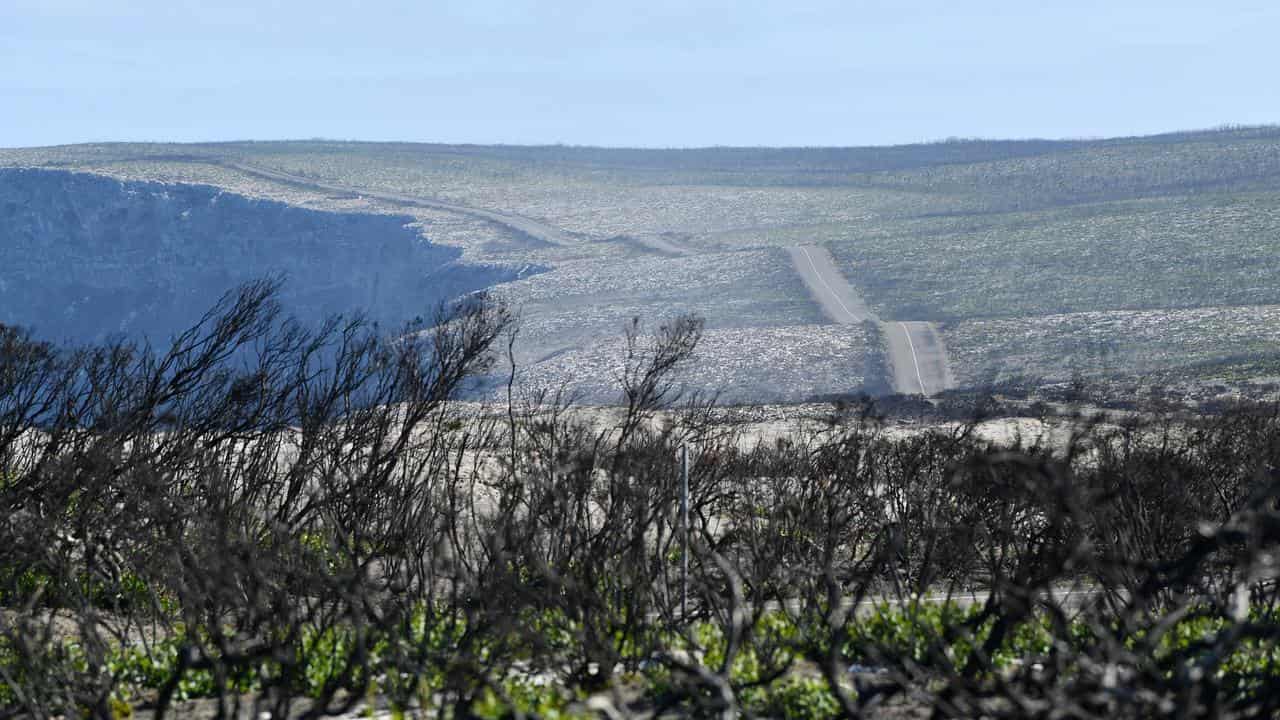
836,296
915,350
662,245
917,357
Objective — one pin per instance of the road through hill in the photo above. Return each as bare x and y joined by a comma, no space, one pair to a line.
836,296
917,357
523,226
915,351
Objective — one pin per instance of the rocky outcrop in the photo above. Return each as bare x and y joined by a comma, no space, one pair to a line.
83,257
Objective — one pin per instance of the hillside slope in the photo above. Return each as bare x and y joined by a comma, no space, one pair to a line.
86,257
985,238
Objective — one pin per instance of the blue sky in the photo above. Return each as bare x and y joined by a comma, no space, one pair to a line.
656,73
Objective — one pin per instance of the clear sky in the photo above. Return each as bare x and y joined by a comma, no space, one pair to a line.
652,73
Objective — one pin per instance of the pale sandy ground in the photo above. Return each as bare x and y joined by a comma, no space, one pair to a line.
770,424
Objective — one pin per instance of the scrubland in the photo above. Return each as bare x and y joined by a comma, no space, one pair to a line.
269,517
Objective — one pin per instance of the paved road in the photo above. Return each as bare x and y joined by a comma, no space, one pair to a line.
523,226
915,349
917,357
661,245
836,296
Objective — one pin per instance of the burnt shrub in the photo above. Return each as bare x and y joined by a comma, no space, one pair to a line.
298,520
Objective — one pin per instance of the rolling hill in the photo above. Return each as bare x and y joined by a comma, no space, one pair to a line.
1149,257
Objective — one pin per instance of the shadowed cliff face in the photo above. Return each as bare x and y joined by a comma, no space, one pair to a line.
83,257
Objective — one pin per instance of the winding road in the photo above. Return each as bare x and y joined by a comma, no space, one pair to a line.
525,227
917,356
661,245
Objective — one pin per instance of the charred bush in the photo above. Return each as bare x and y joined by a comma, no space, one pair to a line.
296,520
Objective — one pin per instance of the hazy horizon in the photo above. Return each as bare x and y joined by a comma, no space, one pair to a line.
1224,127
664,74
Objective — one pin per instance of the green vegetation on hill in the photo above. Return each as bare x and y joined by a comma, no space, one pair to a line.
958,231
1166,253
